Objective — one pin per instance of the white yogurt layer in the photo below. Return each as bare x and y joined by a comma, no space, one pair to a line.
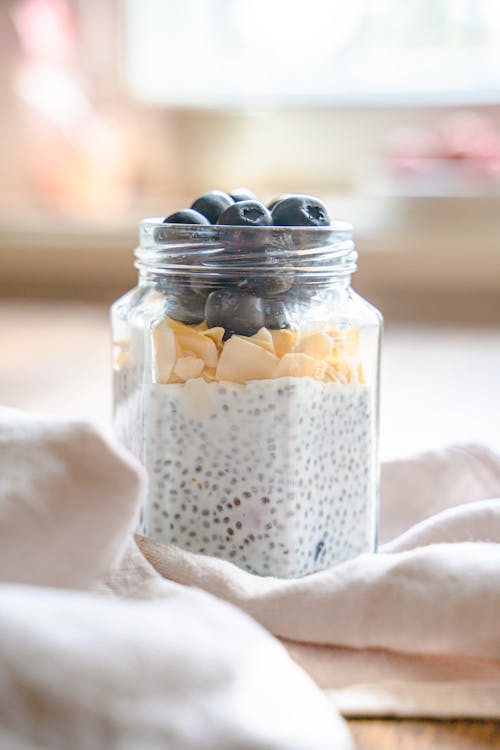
277,476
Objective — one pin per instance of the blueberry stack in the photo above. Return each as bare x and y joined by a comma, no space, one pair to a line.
241,208
246,305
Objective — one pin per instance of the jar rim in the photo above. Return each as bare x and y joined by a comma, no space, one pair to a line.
150,224
217,249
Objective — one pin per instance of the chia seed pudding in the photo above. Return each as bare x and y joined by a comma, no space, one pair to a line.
251,402
224,481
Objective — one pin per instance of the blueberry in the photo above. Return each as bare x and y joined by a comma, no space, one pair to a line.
242,194
267,285
200,288
299,300
236,311
184,305
288,310
247,214
318,550
212,204
186,216
300,211
275,202
276,314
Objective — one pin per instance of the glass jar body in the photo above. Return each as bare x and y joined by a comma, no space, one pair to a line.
255,416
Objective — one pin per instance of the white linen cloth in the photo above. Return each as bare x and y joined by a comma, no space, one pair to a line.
79,671
83,671
413,630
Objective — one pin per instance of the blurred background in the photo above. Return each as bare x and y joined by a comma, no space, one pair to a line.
112,110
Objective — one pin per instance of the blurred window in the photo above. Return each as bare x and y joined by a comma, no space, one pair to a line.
231,52
114,110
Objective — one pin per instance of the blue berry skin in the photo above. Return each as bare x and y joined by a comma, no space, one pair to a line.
237,312
246,214
300,211
276,201
184,305
212,204
276,314
318,550
199,288
267,285
186,216
242,194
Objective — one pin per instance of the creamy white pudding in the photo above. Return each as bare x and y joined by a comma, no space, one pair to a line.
275,475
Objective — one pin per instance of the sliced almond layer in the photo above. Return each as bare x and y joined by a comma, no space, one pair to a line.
165,350
299,365
203,326
241,361
216,334
319,345
188,367
351,341
284,341
263,338
184,353
340,370
209,374
361,374
346,341
193,341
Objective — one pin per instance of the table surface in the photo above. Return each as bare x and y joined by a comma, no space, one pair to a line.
439,385
396,734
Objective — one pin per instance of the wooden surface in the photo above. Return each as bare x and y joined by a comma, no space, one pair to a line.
56,358
393,734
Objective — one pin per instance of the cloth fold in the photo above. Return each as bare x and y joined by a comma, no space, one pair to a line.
418,487
87,672
91,672
443,599
69,500
413,630
429,598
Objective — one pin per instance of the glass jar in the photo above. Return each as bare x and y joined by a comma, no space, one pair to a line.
246,377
